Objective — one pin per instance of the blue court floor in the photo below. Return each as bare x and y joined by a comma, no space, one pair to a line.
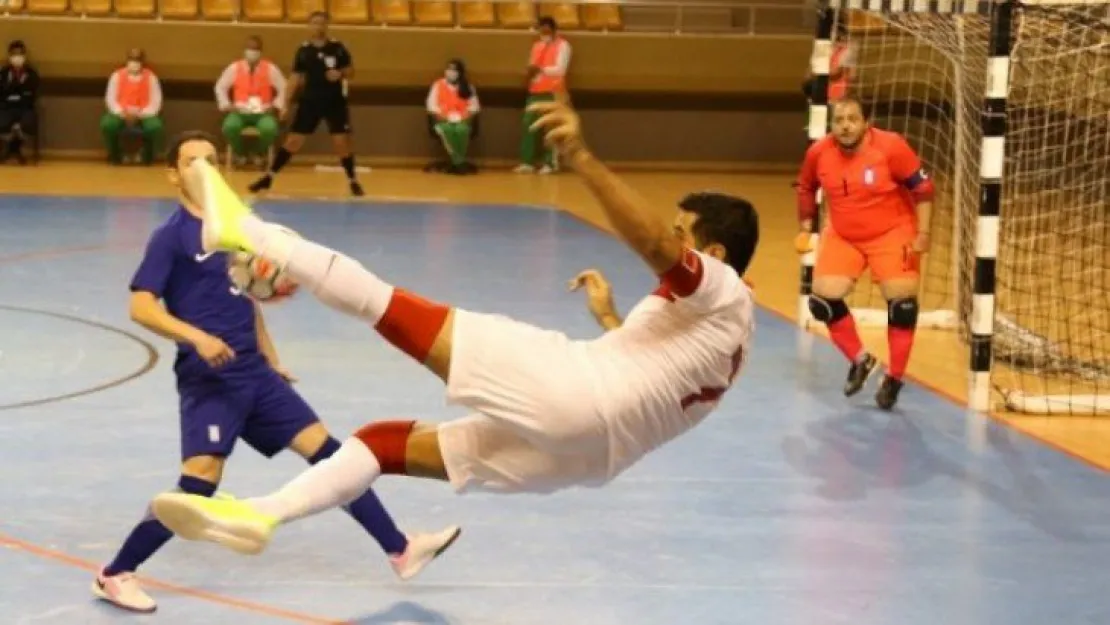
789,506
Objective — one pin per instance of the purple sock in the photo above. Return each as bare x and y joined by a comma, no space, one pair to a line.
149,535
369,511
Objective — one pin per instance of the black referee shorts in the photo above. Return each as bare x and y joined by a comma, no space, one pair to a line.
311,112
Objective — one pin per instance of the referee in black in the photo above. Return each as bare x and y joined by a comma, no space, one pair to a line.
322,66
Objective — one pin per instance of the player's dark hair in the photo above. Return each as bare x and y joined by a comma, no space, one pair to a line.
464,88
17,46
256,39
548,21
727,220
174,150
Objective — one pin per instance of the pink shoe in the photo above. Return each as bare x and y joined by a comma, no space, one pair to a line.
422,549
123,591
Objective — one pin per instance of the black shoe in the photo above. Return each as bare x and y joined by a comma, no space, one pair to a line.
356,189
858,374
887,394
262,184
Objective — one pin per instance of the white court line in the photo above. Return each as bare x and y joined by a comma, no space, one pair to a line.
588,583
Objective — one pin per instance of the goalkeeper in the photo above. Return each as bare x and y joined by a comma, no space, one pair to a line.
879,200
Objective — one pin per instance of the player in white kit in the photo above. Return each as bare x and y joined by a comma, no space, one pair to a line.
548,412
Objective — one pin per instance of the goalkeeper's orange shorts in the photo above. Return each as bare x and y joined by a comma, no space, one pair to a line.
889,256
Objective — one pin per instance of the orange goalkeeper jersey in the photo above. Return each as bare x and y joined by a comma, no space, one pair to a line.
869,191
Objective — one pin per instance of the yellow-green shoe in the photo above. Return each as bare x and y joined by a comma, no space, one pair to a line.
224,210
229,522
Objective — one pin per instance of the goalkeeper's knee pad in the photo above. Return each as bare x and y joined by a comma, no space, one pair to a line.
902,312
827,310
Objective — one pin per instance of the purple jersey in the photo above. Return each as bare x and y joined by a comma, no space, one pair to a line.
197,290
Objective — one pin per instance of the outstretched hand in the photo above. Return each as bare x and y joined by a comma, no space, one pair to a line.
599,294
560,124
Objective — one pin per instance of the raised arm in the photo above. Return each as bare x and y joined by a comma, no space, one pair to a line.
643,229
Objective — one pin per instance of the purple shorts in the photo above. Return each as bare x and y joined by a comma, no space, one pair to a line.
263,410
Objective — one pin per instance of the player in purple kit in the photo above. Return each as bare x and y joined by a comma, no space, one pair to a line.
231,386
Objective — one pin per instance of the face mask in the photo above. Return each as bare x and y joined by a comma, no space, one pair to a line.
134,66
16,60
452,75
253,55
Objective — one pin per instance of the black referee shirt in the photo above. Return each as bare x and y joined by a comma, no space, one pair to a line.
313,62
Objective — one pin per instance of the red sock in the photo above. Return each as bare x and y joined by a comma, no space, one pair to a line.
388,441
899,342
844,336
412,323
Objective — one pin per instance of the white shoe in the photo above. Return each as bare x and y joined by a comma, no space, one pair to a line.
546,170
123,591
422,549
524,169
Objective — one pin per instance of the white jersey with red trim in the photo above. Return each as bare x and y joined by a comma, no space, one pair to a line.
666,367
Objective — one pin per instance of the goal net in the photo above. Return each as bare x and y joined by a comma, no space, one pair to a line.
924,74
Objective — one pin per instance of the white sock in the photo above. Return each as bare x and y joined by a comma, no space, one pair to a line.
334,482
337,280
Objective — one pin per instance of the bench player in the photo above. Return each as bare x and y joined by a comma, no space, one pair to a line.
231,386
879,202
548,412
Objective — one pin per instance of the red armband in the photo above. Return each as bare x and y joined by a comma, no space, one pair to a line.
683,279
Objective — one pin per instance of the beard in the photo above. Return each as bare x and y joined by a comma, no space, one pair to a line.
849,145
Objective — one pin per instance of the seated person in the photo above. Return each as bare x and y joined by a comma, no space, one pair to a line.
134,102
19,86
452,103
257,88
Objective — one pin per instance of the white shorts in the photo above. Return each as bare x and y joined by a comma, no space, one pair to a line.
537,425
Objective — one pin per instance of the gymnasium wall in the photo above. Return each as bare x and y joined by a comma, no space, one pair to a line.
688,101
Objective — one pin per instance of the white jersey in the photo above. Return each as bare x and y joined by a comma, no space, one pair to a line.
550,412
665,369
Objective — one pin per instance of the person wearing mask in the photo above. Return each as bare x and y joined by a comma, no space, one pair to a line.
249,91
134,102
452,103
547,70
19,86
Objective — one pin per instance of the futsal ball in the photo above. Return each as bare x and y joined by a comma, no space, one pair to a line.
259,278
